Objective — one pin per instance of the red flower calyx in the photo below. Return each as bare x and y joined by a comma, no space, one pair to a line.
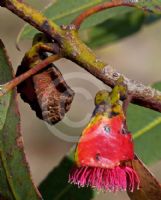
105,149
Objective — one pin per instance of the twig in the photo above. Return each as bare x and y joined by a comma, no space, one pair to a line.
14,82
32,16
103,6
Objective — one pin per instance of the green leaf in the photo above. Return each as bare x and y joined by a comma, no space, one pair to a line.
63,12
15,178
145,124
56,186
117,28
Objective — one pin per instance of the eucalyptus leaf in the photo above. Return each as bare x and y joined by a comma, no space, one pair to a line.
118,28
15,178
115,29
145,124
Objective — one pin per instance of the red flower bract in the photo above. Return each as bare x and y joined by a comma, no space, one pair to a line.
103,156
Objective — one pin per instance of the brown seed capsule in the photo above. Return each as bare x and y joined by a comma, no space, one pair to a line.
46,92
53,94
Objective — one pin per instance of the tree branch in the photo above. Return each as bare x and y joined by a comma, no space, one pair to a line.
74,49
32,16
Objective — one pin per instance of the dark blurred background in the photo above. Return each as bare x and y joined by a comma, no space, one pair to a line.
137,56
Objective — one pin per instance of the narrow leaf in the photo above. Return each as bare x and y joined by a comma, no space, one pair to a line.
15,178
63,12
117,28
145,124
150,189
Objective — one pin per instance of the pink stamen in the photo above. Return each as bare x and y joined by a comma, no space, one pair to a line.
117,179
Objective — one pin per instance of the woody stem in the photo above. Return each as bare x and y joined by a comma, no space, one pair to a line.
14,82
103,6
